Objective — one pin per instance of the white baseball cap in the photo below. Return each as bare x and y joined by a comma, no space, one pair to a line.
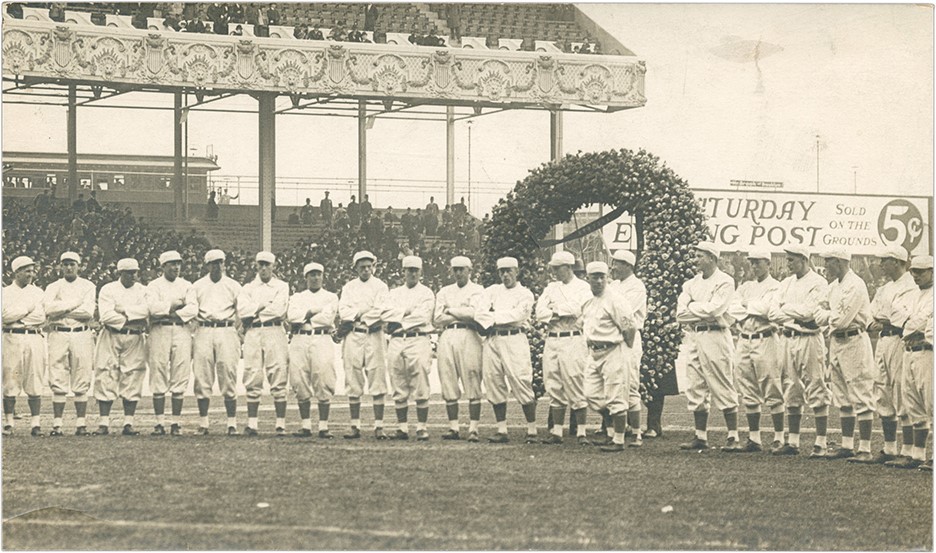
266,257
895,252
922,262
626,256
364,254
128,264
759,254
708,247
797,249
214,255
507,263
312,267
70,256
837,253
22,261
597,267
561,258
169,256
460,261
412,262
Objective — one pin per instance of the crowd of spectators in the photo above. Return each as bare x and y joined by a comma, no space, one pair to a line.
431,39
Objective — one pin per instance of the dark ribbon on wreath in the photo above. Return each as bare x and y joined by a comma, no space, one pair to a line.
586,229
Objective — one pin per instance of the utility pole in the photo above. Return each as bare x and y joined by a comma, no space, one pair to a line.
817,163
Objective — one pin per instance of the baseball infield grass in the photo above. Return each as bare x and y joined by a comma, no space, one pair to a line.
220,492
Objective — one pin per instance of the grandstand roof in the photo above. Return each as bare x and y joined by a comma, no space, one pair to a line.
51,159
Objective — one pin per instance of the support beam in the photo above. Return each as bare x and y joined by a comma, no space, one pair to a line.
72,132
555,153
178,186
267,170
362,149
449,155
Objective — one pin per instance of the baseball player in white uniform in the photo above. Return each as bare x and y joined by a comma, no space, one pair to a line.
170,340
635,293
312,315
265,342
120,355
565,352
408,314
502,311
217,344
364,350
69,305
24,346
608,323
802,350
702,308
459,348
917,385
847,312
886,309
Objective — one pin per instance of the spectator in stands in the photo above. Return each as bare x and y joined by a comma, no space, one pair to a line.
338,32
238,31
389,218
460,211
294,217
42,202
273,16
432,207
15,10
371,13
211,213
301,31
366,208
316,33
226,198
447,215
354,212
453,19
414,38
80,206
93,205
340,212
57,12
431,222
218,15
325,207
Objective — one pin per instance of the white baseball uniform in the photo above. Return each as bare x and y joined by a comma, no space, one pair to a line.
505,359
265,342
170,341
635,293
459,348
409,353
364,349
605,320
565,352
24,347
71,341
120,356
217,345
918,361
757,353
889,351
312,351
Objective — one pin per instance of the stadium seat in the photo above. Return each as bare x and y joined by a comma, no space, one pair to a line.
509,43
547,46
36,14
78,18
473,42
157,24
119,21
282,31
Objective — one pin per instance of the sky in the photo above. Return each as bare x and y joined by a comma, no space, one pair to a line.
858,76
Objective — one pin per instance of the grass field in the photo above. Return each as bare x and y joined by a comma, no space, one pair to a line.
208,493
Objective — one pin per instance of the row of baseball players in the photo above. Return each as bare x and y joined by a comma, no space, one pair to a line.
381,330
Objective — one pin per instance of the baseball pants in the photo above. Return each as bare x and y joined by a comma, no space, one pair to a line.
633,383
265,351
217,352
607,377
709,371
564,362
23,364
409,360
71,363
506,367
312,366
851,363
121,366
803,372
364,356
889,357
459,354
758,373
918,387
170,359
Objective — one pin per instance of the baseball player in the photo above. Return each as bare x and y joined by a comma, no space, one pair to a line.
608,323
917,385
364,349
757,352
635,293
847,312
459,348
565,351
889,352
502,310
24,347
217,344
702,308
265,342
408,314
312,314
120,355
170,340
69,305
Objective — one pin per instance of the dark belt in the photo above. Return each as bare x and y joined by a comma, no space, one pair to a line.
459,325
168,323
71,328
510,332
133,331
409,334
847,333
600,346
890,330
268,323
921,347
316,332
758,335
216,324
366,330
22,330
791,333
565,334
810,325
706,328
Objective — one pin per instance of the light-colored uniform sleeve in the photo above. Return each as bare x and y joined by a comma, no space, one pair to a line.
137,310
277,308
374,315
190,310
106,305
440,319
806,311
760,306
421,313
297,309
56,308
518,313
841,315
191,300
158,306
346,308
85,310
683,315
542,311
623,314
737,310
482,308
715,307
245,305
326,316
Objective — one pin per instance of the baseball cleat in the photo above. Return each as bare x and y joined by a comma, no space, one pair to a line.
695,445
303,433
158,430
81,431
841,453
101,431
904,463
552,439
777,444
175,430
583,440
880,458
202,431
129,431
927,466
612,448
36,432
326,435
56,431
785,449
380,434
531,439
473,437
354,434
819,453
399,435
451,435
422,435
7,430
752,447
499,438
652,433
638,442
628,432
863,458
247,431
732,446
232,431
280,432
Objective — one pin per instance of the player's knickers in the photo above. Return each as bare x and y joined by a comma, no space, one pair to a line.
217,352
888,356
71,362
757,366
409,361
564,362
121,366
633,383
170,359
851,363
803,371
918,387
364,355
459,354
265,351
505,361
607,376
23,364
709,371
312,366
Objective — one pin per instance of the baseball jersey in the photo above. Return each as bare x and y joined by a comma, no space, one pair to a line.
888,298
132,300
273,295
752,300
921,315
607,317
62,294
797,299
322,303
411,307
363,300
504,307
849,306
635,293
706,299
454,295
162,293
216,301
23,307
565,301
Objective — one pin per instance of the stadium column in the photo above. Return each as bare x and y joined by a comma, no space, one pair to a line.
267,170
72,132
449,155
177,184
555,152
362,149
